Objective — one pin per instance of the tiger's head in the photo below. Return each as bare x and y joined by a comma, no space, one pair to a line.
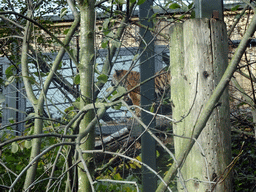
117,76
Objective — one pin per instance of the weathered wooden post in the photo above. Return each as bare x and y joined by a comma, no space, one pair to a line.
198,58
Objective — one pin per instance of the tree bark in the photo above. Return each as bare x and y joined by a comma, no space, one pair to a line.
196,71
211,104
86,85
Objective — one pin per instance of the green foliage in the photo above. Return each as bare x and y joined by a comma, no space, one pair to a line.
141,2
119,92
122,172
190,5
235,8
9,71
10,80
174,6
244,169
77,79
16,156
15,147
103,78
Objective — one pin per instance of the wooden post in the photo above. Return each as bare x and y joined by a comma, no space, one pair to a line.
198,58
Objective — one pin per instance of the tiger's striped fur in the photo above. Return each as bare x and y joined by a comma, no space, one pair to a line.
162,84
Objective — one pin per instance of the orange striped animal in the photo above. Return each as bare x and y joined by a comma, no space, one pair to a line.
162,84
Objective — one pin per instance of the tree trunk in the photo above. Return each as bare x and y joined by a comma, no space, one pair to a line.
198,52
36,143
86,84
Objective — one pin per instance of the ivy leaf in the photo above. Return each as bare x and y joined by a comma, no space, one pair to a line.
174,6
102,78
15,147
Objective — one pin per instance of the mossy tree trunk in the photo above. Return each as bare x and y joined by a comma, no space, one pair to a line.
198,52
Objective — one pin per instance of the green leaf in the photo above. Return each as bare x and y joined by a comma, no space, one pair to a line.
119,91
157,154
132,1
28,144
65,32
71,108
15,147
63,12
103,78
30,116
174,6
9,80
120,2
190,5
152,108
77,79
140,2
118,106
193,14
9,71
11,120
117,176
235,8
106,31
31,79
105,23
96,68
91,57
111,34
182,17
104,44
135,57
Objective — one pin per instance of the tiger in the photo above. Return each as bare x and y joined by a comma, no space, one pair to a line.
162,85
